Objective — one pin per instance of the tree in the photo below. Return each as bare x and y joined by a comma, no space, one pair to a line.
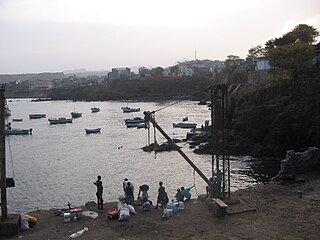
233,61
256,52
239,76
293,51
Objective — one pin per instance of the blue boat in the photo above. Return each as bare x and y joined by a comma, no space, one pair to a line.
128,109
17,131
17,120
134,120
184,125
60,120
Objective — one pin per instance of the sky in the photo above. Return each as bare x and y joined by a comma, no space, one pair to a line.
58,35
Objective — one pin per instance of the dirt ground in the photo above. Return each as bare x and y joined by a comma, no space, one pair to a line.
283,211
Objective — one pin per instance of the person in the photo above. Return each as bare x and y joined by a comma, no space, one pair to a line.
98,183
144,190
162,196
129,193
208,188
179,197
186,192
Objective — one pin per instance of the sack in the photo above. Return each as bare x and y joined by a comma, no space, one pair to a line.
124,214
146,206
113,214
24,224
131,209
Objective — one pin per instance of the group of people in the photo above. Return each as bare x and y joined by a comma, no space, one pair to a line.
128,189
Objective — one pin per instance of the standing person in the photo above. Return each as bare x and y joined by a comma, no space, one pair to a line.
124,186
98,183
186,192
162,196
129,192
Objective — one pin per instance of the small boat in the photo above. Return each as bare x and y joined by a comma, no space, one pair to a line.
92,130
132,125
17,131
76,114
184,125
202,102
141,125
95,109
184,119
7,111
134,120
128,109
60,120
37,116
17,120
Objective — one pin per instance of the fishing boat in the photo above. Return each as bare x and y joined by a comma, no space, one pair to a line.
184,125
17,120
134,120
95,109
128,109
76,114
184,119
18,131
37,116
141,125
92,130
132,125
59,120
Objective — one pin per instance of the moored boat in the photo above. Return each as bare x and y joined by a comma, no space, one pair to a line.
184,125
95,109
128,109
92,130
7,111
17,120
59,120
132,125
18,131
76,114
134,120
37,116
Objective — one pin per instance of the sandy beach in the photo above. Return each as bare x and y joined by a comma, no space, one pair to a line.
282,211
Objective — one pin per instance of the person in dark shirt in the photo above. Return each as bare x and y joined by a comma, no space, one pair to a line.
162,196
179,197
129,192
98,183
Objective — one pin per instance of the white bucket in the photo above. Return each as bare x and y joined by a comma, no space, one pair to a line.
67,217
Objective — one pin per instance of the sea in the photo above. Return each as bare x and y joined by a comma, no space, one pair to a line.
58,164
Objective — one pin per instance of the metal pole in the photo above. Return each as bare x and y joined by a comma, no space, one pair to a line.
4,210
180,151
223,139
212,130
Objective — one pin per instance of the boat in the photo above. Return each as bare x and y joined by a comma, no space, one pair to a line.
17,120
60,120
134,120
128,109
18,131
184,119
7,111
95,109
202,102
76,114
92,130
184,125
132,125
141,125
37,116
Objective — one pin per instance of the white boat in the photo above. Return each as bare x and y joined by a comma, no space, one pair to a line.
60,120
95,109
92,130
76,114
128,109
184,125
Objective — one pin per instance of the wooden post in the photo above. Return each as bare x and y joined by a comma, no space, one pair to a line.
4,210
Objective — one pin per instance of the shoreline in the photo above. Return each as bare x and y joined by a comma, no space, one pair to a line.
283,211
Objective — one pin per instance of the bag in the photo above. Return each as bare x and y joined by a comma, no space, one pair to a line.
124,214
146,207
113,214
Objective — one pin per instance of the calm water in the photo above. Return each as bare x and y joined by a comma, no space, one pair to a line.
58,163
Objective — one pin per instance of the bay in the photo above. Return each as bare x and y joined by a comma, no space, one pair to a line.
58,164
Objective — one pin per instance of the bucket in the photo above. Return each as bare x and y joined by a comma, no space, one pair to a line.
170,212
66,217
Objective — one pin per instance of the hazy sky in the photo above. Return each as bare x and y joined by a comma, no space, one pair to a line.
57,35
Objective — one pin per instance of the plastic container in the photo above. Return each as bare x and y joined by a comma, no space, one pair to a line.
66,217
